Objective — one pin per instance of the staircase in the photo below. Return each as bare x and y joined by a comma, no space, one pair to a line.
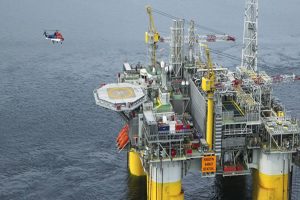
218,134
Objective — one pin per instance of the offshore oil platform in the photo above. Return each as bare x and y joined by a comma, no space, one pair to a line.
190,113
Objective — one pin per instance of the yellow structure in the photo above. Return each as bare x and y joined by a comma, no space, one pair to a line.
164,181
280,114
210,119
164,191
271,179
152,37
152,30
208,83
135,164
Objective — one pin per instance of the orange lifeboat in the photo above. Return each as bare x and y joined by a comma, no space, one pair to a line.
123,142
123,138
122,132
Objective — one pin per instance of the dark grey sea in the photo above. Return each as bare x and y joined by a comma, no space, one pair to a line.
55,143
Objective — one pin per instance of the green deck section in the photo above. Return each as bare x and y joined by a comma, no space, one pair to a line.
157,70
177,96
164,108
132,77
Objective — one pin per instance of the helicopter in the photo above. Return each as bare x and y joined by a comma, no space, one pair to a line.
54,37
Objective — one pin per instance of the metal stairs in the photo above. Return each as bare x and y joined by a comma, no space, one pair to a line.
218,130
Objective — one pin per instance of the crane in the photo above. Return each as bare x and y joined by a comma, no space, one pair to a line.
208,85
193,39
152,37
205,38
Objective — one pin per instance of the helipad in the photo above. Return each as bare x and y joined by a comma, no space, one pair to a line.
120,96
120,93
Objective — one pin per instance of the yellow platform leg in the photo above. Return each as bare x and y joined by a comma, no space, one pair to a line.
135,164
164,191
164,182
270,187
271,179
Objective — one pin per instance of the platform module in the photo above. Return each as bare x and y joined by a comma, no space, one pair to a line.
192,114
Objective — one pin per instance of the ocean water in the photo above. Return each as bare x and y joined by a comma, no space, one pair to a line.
55,143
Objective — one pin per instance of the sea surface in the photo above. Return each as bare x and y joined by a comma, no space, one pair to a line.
55,143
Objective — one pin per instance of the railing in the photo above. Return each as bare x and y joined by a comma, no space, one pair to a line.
280,145
237,131
252,117
248,117
169,144
228,115
119,106
166,136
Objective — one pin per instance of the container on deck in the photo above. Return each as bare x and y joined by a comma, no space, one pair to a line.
189,152
229,168
179,125
173,153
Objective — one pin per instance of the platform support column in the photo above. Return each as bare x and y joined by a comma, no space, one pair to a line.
210,119
164,181
134,164
271,179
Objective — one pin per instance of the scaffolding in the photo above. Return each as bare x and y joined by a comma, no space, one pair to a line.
177,47
280,134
